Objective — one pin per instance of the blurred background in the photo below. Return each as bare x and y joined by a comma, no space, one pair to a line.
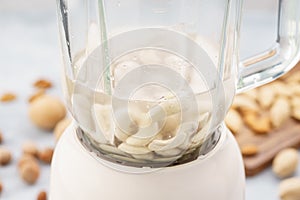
29,50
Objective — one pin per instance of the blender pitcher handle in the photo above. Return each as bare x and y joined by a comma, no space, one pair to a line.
279,59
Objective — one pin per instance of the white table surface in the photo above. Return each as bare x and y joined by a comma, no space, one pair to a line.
29,50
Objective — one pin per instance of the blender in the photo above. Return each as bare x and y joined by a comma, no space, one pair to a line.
148,84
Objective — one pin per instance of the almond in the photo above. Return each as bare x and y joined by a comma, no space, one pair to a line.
46,155
42,195
1,137
5,156
42,84
30,172
36,95
1,187
30,148
25,159
7,97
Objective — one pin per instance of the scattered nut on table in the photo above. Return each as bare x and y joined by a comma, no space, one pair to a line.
46,111
1,187
289,189
285,162
45,155
1,137
42,84
26,158
30,172
42,195
7,97
30,148
5,156
29,169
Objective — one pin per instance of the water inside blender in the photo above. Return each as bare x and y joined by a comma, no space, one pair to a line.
146,123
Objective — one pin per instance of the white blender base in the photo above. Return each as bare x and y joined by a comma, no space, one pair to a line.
77,175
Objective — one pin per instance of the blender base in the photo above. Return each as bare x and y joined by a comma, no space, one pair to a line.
76,174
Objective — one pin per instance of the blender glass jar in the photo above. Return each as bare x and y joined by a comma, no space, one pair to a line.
149,82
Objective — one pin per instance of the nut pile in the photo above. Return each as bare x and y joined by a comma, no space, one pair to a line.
265,108
29,163
46,112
